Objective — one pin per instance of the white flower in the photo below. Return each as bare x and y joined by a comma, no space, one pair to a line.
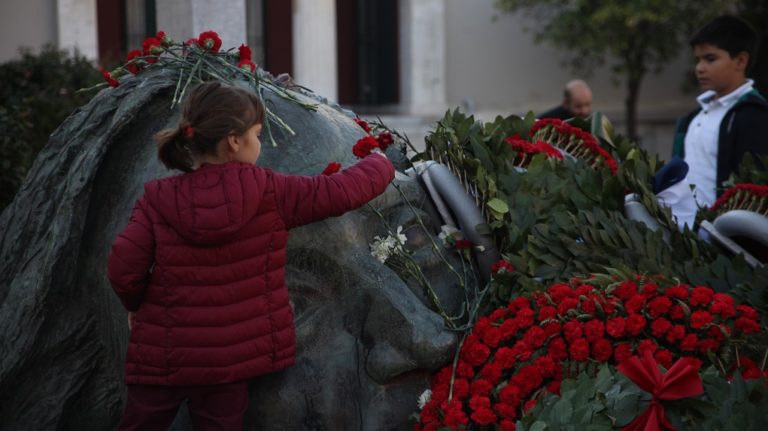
424,398
448,231
383,248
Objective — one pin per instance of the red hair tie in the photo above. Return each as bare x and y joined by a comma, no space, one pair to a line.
189,131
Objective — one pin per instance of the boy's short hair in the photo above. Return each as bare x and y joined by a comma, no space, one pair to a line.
728,33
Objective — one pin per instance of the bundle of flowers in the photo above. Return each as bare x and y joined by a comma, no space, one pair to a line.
372,140
525,150
572,140
519,352
750,197
197,60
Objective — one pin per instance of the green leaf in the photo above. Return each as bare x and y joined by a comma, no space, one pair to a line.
498,205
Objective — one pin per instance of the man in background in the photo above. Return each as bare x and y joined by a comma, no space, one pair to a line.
577,102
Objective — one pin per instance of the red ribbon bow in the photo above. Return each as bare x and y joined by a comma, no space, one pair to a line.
682,380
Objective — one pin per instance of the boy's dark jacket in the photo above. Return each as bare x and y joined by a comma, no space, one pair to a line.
744,129
202,263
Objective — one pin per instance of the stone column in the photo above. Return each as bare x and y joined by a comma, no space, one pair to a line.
314,46
422,44
183,19
77,26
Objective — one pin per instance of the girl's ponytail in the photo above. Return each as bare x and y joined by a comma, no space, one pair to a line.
173,147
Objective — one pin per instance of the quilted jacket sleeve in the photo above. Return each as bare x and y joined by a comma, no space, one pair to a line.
132,257
303,199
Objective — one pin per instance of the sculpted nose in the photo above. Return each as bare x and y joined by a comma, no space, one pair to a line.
403,335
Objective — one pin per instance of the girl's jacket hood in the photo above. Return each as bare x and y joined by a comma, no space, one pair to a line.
210,206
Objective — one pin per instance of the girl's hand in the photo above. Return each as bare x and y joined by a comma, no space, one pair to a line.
131,318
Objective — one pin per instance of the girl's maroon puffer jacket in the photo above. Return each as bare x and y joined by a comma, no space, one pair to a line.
202,263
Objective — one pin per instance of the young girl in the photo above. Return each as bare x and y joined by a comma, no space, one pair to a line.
200,266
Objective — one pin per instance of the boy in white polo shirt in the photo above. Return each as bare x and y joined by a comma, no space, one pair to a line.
732,118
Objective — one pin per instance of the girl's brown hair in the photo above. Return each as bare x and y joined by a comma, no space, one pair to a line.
211,112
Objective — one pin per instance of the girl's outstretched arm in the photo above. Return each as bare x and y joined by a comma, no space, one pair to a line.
304,199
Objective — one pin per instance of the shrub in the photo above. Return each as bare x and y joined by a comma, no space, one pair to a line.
37,94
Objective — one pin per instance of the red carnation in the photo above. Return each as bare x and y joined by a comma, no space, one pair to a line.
546,313
364,146
505,357
332,168
646,346
676,333
362,123
664,357
385,140
550,151
484,416
522,350
245,52
492,371
509,328
594,330
701,296
465,370
622,352
454,415
567,304
747,311
510,394
723,305
492,337
700,319
209,40
677,313
520,303
659,327
151,48
679,292
462,244
505,410
634,304
659,306
481,386
133,67
747,325
110,80
535,336
579,350
635,324
602,349
615,327
560,291
689,343
572,330
477,353
552,328
460,388
557,349
625,290
588,305
502,264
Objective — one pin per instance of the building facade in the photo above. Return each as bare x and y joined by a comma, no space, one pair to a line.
413,58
